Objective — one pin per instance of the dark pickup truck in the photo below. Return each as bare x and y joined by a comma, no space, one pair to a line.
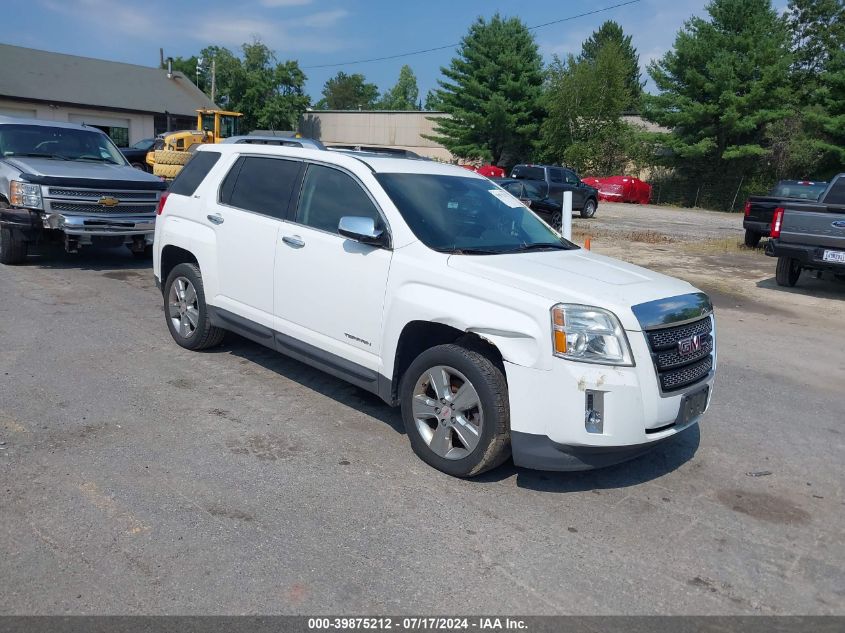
810,236
556,180
760,209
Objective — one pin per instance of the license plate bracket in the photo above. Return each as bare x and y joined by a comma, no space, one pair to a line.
837,257
693,405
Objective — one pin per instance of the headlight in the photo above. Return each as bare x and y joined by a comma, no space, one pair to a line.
589,335
23,194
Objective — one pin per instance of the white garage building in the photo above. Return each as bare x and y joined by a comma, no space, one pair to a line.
126,101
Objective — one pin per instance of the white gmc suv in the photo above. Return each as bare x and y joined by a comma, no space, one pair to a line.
437,290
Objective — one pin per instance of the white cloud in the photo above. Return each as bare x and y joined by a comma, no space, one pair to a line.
117,17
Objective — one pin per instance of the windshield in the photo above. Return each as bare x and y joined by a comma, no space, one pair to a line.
802,190
58,143
146,143
467,215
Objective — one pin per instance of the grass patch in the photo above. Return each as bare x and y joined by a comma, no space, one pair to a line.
642,236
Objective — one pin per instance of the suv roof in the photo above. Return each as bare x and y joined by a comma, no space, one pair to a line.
377,163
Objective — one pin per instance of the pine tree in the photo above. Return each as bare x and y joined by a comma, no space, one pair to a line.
725,79
404,95
611,32
492,91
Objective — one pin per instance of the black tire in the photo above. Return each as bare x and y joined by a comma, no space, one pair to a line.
141,166
556,221
589,209
489,382
787,271
752,238
147,253
204,335
12,249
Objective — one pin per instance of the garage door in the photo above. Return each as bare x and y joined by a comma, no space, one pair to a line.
22,112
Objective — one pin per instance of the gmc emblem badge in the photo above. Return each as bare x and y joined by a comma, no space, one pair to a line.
689,345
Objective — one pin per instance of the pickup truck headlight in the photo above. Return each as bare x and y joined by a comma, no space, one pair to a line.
24,194
589,335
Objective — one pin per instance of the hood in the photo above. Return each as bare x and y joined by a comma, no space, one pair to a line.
576,276
48,171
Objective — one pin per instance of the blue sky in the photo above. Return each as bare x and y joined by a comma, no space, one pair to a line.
317,32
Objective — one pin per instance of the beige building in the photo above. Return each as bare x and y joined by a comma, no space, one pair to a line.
382,128
126,101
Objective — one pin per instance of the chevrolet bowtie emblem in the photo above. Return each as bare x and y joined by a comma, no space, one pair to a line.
105,201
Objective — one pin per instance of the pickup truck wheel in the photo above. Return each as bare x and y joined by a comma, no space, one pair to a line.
12,250
186,311
455,409
752,238
589,209
787,271
557,221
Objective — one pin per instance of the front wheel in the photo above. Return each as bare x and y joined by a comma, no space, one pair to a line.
455,409
186,311
589,209
12,249
787,272
557,221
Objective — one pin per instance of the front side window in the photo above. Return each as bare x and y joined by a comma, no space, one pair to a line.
59,143
261,185
467,215
330,194
556,175
571,178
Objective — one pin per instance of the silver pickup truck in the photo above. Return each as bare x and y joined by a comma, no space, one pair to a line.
810,236
67,183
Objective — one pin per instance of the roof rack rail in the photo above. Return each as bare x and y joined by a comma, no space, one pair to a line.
287,141
378,150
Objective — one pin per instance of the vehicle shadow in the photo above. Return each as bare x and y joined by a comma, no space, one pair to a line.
89,258
828,287
665,458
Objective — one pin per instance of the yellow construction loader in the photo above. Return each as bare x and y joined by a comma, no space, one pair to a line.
172,150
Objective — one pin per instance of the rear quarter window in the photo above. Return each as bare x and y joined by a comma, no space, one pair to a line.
194,173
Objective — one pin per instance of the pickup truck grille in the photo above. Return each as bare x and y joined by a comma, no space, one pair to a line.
93,194
677,368
69,207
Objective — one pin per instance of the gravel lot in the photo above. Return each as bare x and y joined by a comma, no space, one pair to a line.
137,477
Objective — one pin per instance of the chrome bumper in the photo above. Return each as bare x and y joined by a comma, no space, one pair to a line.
89,225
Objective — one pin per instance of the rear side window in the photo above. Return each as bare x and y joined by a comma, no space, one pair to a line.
836,195
262,185
328,195
193,173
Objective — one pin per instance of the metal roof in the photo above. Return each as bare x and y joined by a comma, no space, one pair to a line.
28,73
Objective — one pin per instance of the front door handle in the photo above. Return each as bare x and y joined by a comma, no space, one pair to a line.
215,218
294,240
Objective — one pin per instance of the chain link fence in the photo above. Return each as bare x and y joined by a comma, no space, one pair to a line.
726,194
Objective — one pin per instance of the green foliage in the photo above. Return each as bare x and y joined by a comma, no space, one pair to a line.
611,33
725,80
348,92
404,95
492,90
433,103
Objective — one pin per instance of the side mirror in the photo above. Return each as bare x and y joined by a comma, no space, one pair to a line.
361,229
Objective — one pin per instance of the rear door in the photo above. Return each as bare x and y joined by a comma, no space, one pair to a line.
251,204
573,184
330,289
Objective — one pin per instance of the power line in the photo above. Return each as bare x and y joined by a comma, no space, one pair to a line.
440,48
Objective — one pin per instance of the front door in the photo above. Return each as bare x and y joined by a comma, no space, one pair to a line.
329,288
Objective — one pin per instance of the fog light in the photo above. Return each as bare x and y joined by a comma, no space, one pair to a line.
594,412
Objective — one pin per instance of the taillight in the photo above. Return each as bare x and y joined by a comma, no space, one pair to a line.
747,207
777,219
161,202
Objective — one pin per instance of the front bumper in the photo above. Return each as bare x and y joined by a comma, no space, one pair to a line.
548,425
808,256
98,226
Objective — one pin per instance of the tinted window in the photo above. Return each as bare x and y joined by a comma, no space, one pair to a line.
193,173
530,173
571,178
328,195
836,195
556,175
800,190
262,185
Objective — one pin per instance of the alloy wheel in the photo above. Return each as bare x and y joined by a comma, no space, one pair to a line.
183,307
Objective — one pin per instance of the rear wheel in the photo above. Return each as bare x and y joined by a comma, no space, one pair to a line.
557,221
589,209
787,272
186,311
455,409
12,249
752,238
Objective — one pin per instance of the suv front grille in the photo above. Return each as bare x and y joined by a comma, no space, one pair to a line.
676,369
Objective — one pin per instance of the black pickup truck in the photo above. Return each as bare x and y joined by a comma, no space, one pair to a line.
760,209
810,236
556,180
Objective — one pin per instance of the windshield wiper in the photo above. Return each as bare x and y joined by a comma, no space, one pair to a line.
468,251
542,246
38,155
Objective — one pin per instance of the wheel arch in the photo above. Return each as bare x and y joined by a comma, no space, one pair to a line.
172,256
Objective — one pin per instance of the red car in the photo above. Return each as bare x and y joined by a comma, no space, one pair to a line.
621,189
489,171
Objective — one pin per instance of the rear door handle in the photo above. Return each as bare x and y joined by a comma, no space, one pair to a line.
215,218
294,240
